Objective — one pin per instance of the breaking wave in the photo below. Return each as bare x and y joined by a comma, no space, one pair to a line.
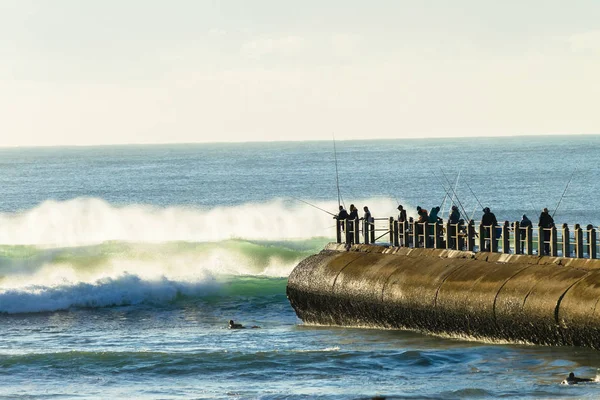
88,253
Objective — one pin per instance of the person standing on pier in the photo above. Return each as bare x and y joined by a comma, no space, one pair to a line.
546,222
525,222
489,221
341,217
368,221
453,220
402,215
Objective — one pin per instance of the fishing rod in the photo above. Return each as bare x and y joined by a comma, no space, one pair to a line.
456,196
452,199
312,205
565,191
473,193
337,177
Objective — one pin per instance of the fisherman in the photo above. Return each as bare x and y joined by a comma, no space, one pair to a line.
433,219
367,215
423,217
546,222
488,220
525,222
402,215
453,220
342,214
341,217
353,216
573,380
369,221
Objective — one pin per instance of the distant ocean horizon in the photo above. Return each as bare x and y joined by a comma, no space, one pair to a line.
120,266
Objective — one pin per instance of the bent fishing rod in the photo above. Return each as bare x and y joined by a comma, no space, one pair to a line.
312,205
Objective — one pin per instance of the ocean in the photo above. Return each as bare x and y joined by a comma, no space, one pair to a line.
120,267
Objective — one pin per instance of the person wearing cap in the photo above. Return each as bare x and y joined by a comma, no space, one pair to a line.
546,222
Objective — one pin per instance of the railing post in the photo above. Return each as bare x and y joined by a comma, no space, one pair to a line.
460,238
493,239
471,236
405,233
541,247
366,230
349,232
396,237
566,239
591,236
517,237
529,239
391,228
481,238
425,235
437,235
339,228
356,232
505,238
449,237
578,241
415,234
553,242
372,230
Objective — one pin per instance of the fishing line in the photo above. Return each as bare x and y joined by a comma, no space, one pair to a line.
565,191
457,199
312,205
337,177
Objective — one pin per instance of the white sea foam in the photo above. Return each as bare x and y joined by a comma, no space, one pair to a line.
85,221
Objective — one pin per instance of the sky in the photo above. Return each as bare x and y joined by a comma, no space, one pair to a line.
78,72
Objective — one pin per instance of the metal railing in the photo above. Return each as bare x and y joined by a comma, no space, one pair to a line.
508,238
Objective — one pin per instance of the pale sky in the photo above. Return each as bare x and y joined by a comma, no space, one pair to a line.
80,72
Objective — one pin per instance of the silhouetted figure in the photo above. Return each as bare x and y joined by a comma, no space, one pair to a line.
525,222
233,325
573,380
367,215
453,220
352,217
489,221
369,221
546,222
402,215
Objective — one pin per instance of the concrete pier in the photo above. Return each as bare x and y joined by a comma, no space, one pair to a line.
518,298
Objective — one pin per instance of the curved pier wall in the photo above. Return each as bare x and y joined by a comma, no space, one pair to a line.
518,298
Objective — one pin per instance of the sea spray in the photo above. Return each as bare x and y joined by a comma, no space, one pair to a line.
86,221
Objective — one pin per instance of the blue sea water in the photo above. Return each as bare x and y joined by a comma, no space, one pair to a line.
121,265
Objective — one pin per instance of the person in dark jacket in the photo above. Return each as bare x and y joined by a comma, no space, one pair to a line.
546,221
402,215
368,219
353,213
353,216
341,217
453,219
525,222
489,221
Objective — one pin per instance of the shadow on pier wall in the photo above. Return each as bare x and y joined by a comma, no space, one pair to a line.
516,298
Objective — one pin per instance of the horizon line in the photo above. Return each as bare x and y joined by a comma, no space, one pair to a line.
3,147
